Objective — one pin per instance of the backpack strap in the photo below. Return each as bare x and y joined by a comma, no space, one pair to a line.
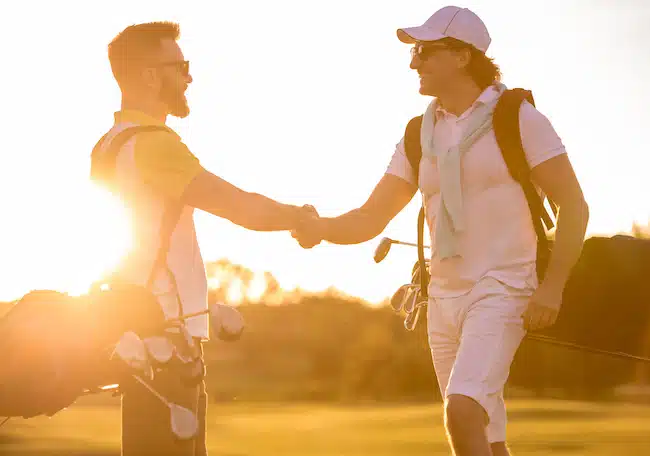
508,136
102,166
413,150
103,170
413,145
505,121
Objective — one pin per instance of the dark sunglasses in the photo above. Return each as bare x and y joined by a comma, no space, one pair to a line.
182,65
423,51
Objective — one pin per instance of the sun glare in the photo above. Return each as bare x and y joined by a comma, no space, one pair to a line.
256,288
214,283
235,292
101,238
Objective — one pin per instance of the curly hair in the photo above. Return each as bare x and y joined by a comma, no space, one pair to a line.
481,68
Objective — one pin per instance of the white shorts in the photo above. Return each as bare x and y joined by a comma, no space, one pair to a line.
473,340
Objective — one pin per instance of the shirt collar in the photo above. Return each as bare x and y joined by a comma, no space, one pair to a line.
139,118
488,95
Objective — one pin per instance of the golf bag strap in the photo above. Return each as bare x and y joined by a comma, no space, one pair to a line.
103,170
102,166
413,151
169,220
424,276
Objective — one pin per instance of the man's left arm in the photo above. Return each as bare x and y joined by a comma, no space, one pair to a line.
553,173
557,179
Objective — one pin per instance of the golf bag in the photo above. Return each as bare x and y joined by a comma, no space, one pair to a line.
57,347
606,302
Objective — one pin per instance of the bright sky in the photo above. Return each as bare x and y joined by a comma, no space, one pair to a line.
303,102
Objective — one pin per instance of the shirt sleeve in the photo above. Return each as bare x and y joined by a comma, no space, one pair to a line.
400,166
165,163
539,139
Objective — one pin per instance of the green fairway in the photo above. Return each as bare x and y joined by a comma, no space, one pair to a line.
536,428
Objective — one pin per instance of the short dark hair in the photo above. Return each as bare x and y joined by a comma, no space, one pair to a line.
136,43
481,68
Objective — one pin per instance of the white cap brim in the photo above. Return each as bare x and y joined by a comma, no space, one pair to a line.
412,34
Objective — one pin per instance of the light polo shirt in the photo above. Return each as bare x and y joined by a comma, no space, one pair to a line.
499,239
152,171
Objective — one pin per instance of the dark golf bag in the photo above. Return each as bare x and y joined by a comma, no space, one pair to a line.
56,347
606,302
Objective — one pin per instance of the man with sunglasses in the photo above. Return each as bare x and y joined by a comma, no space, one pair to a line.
154,171
483,290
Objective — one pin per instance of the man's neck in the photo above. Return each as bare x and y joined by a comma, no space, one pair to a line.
460,97
151,109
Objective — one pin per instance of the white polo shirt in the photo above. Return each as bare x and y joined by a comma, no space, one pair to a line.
499,239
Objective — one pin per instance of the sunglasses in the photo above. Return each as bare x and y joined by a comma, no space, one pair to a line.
424,51
182,65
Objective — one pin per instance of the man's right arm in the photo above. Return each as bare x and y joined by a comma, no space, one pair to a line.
393,192
389,197
249,210
170,169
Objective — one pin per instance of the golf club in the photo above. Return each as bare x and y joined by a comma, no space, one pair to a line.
132,350
598,351
186,349
411,299
226,322
160,348
411,319
184,422
415,277
399,297
384,247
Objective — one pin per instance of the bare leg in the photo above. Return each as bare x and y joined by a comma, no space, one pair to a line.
465,421
500,449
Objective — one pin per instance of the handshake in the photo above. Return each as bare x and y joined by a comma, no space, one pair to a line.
309,229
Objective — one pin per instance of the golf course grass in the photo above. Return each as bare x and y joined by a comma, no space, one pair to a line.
536,428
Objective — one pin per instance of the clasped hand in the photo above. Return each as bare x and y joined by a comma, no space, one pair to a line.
309,228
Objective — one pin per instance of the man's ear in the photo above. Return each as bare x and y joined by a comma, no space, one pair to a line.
148,76
463,57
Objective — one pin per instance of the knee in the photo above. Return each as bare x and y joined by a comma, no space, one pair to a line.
463,411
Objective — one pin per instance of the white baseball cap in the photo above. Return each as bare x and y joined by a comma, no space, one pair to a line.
450,22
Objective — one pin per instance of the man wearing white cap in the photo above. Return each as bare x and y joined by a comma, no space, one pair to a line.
484,291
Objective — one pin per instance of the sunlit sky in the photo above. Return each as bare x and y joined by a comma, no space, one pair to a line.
304,102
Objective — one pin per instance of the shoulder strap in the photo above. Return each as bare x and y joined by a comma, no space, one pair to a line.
508,136
103,170
102,167
413,150
412,144
505,122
